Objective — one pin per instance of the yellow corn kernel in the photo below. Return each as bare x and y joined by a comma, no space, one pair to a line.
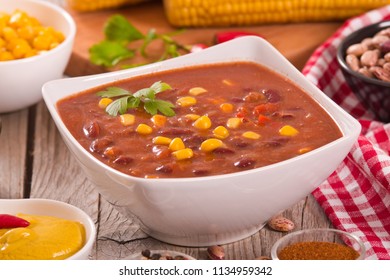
21,49
42,42
197,90
186,101
288,130
233,122
26,32
9,34
210,145
203,123
159,120
192,117
161,140
128,119
4,56
221,132
226,107
251,135
144,129
183,154
176,144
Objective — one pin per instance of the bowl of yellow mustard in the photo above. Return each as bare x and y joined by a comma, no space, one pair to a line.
44,229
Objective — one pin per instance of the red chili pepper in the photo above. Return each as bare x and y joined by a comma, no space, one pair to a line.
230,35
198,47
10,221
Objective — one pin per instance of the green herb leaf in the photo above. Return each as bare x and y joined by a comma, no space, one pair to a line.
113,92
109,53
150,106
165,107
160,87
118,28
145,93
118,106
145,96
120,34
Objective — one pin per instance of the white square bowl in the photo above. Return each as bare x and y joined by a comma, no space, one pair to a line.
215,209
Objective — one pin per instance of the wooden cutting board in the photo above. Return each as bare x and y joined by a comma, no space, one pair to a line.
295,41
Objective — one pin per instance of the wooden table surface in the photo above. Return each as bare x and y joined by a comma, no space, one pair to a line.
35,163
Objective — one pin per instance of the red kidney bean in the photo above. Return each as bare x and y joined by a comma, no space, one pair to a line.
385,46
272,95
245,163
223,151
174,131
123,160
200,172
99,145
166,168
161,151
92,129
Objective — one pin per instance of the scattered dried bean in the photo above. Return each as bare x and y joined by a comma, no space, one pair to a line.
216,252
280,223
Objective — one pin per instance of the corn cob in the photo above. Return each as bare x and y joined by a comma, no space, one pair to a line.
207,13
94,5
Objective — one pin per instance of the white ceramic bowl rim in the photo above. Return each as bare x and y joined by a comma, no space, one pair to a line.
68,37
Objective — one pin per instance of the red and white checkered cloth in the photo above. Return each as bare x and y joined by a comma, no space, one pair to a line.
356,197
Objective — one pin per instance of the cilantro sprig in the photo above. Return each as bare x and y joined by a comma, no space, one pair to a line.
120,35
145,97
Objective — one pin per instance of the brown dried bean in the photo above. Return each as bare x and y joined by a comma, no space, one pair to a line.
280,223
369,58
365,72
216,252
357,49
352,62
381,74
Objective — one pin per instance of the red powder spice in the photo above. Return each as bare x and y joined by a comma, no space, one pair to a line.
316,250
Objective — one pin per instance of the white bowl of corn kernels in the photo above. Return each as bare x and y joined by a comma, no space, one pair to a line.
36,40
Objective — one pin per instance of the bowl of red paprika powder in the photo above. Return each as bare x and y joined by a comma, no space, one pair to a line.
319,244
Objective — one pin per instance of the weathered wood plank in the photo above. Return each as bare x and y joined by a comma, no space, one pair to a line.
13,154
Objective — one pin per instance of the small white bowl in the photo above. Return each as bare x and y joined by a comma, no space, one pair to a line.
320,235
219,209
21,80
48,207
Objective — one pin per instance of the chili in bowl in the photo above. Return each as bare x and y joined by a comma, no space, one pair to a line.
204,148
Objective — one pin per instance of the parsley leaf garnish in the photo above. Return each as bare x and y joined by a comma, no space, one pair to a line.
145,97
120,34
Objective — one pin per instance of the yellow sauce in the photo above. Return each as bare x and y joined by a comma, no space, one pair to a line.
46,238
